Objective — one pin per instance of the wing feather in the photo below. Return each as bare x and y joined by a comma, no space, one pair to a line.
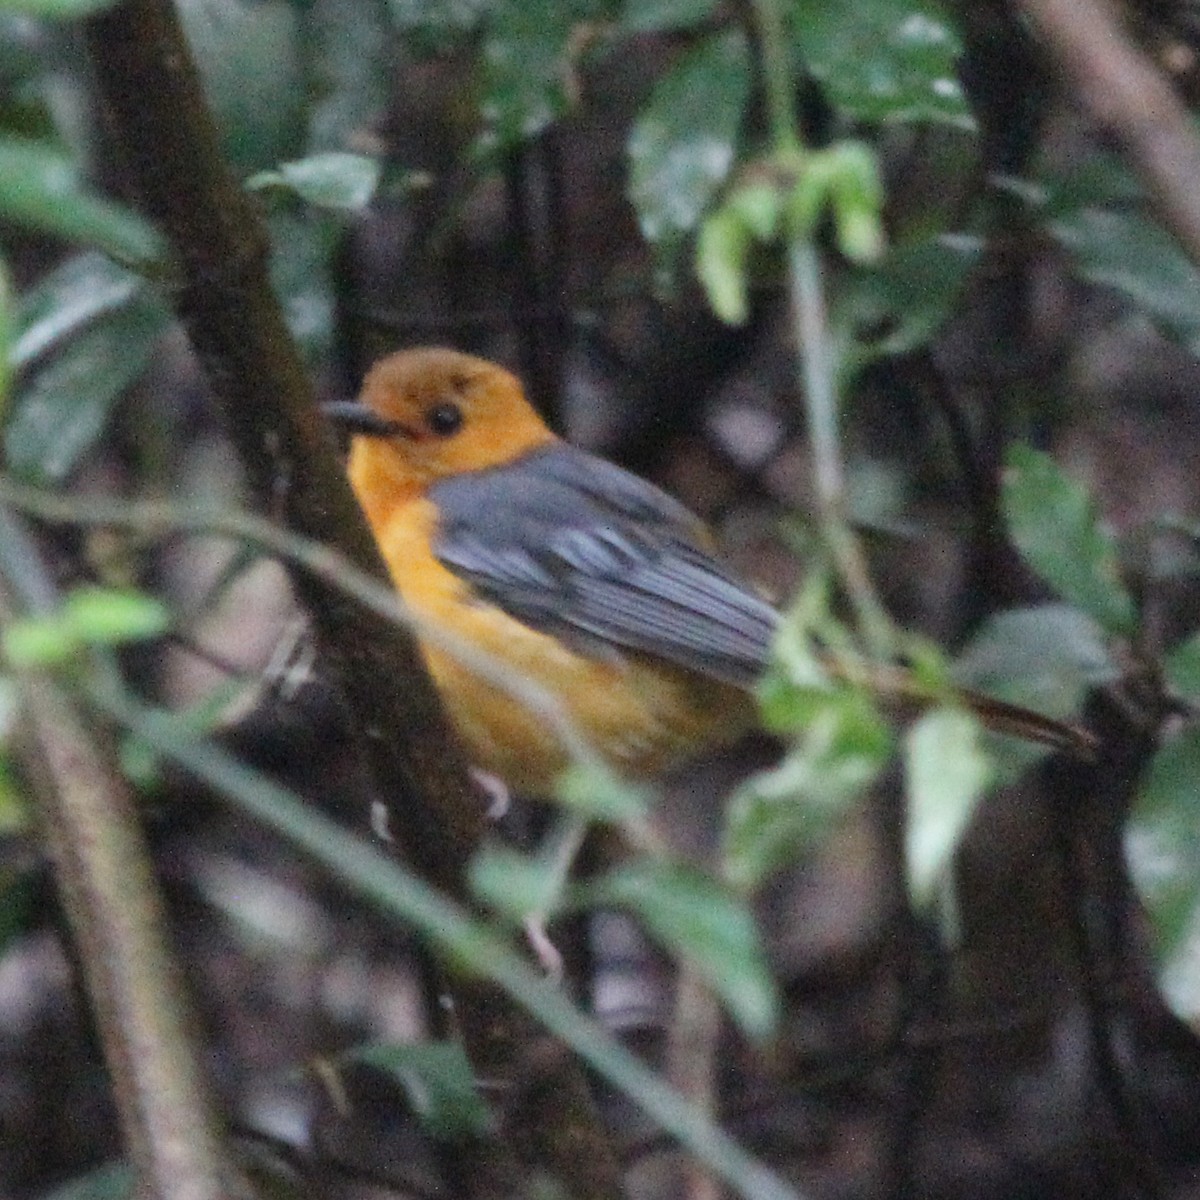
572,545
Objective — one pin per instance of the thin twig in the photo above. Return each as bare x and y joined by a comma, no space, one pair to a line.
821,404
814,345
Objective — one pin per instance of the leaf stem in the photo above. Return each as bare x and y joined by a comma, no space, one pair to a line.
777,78
818,358
818,370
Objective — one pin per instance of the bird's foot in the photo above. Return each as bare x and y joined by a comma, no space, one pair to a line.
497,793
545,951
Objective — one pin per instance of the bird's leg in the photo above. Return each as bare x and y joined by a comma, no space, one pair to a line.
545,951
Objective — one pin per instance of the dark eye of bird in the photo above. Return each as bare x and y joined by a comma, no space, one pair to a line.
445,419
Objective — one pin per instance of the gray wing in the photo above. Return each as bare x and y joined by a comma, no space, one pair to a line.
575,546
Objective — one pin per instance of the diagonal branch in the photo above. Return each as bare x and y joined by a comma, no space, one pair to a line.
154,104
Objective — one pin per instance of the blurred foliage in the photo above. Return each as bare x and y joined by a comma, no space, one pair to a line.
89,616
301,92
85,332
437,1080
684,142
947,771
1055,525
41,187
705,924
331,180
113,1181
886,61
1047,658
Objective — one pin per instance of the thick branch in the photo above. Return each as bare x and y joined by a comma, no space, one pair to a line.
1132,100
154,104
102,865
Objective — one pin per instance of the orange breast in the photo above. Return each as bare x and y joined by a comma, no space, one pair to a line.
639,714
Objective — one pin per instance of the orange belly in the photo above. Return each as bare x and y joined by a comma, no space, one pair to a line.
638,714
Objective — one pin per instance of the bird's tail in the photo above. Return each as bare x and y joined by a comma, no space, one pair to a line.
897,685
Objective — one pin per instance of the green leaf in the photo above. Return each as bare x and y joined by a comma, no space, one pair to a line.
751,212
602,795
655,16
947,772
808,198
780,813
345,182
857,198
883,60
41,641
1132,254
700,920
433,27
1182,668
8,336
1162,846
682,145
1100,179
68,298
40,188
62,406
37,101
1097,213
759,205
1045,657
104,616
526,68
796,686
437,1079
1055,525
16,815
899,304
89,616
515,884
721,253
55,10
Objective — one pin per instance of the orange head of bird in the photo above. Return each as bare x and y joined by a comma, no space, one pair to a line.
430,413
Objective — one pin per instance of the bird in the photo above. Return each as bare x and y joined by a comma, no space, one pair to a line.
562,567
